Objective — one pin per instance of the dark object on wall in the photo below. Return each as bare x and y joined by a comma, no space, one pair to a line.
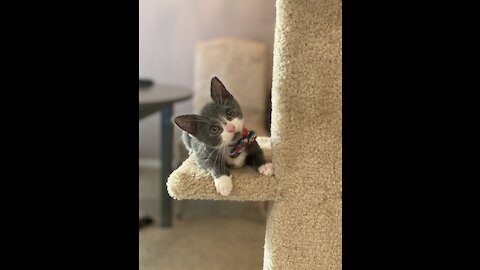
144,83
145,221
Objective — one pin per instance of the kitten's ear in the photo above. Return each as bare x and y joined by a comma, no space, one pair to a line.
218,93
191,123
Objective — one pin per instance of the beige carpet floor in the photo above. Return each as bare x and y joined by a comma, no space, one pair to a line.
209,235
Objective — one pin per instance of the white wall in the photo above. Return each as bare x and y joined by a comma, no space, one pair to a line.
169,30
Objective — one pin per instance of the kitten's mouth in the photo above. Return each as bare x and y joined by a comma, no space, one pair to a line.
235,139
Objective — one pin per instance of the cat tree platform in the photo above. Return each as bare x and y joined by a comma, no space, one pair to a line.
189,181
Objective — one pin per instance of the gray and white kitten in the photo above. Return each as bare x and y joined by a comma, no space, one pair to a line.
214,132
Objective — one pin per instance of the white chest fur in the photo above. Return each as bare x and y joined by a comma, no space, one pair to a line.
237,162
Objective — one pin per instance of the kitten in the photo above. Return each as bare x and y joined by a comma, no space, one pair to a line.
215,132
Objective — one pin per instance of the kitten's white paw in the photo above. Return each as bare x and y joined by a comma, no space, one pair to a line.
266,169
224,184
190,152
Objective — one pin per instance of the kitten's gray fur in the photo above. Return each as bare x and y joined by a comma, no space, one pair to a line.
210,149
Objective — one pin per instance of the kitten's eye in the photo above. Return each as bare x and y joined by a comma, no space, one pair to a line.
214,129
230,113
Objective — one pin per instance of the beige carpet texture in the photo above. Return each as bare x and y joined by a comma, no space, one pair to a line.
304,222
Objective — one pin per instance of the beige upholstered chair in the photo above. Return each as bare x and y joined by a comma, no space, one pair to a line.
242,66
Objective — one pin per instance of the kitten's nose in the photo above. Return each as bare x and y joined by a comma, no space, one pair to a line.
230,128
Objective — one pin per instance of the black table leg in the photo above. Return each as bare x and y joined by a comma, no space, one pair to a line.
166,157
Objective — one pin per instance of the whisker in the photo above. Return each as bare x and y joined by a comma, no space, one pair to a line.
206,160
223,156
211,154
216,156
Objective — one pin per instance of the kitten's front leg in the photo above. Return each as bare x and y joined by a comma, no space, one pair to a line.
257,160
224,184
223,180
221,176
266,169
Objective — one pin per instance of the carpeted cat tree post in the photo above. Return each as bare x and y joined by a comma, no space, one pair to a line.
304,224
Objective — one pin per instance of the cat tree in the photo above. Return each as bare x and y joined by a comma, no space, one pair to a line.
304,223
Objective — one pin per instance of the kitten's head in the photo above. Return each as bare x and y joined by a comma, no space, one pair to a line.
220,122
